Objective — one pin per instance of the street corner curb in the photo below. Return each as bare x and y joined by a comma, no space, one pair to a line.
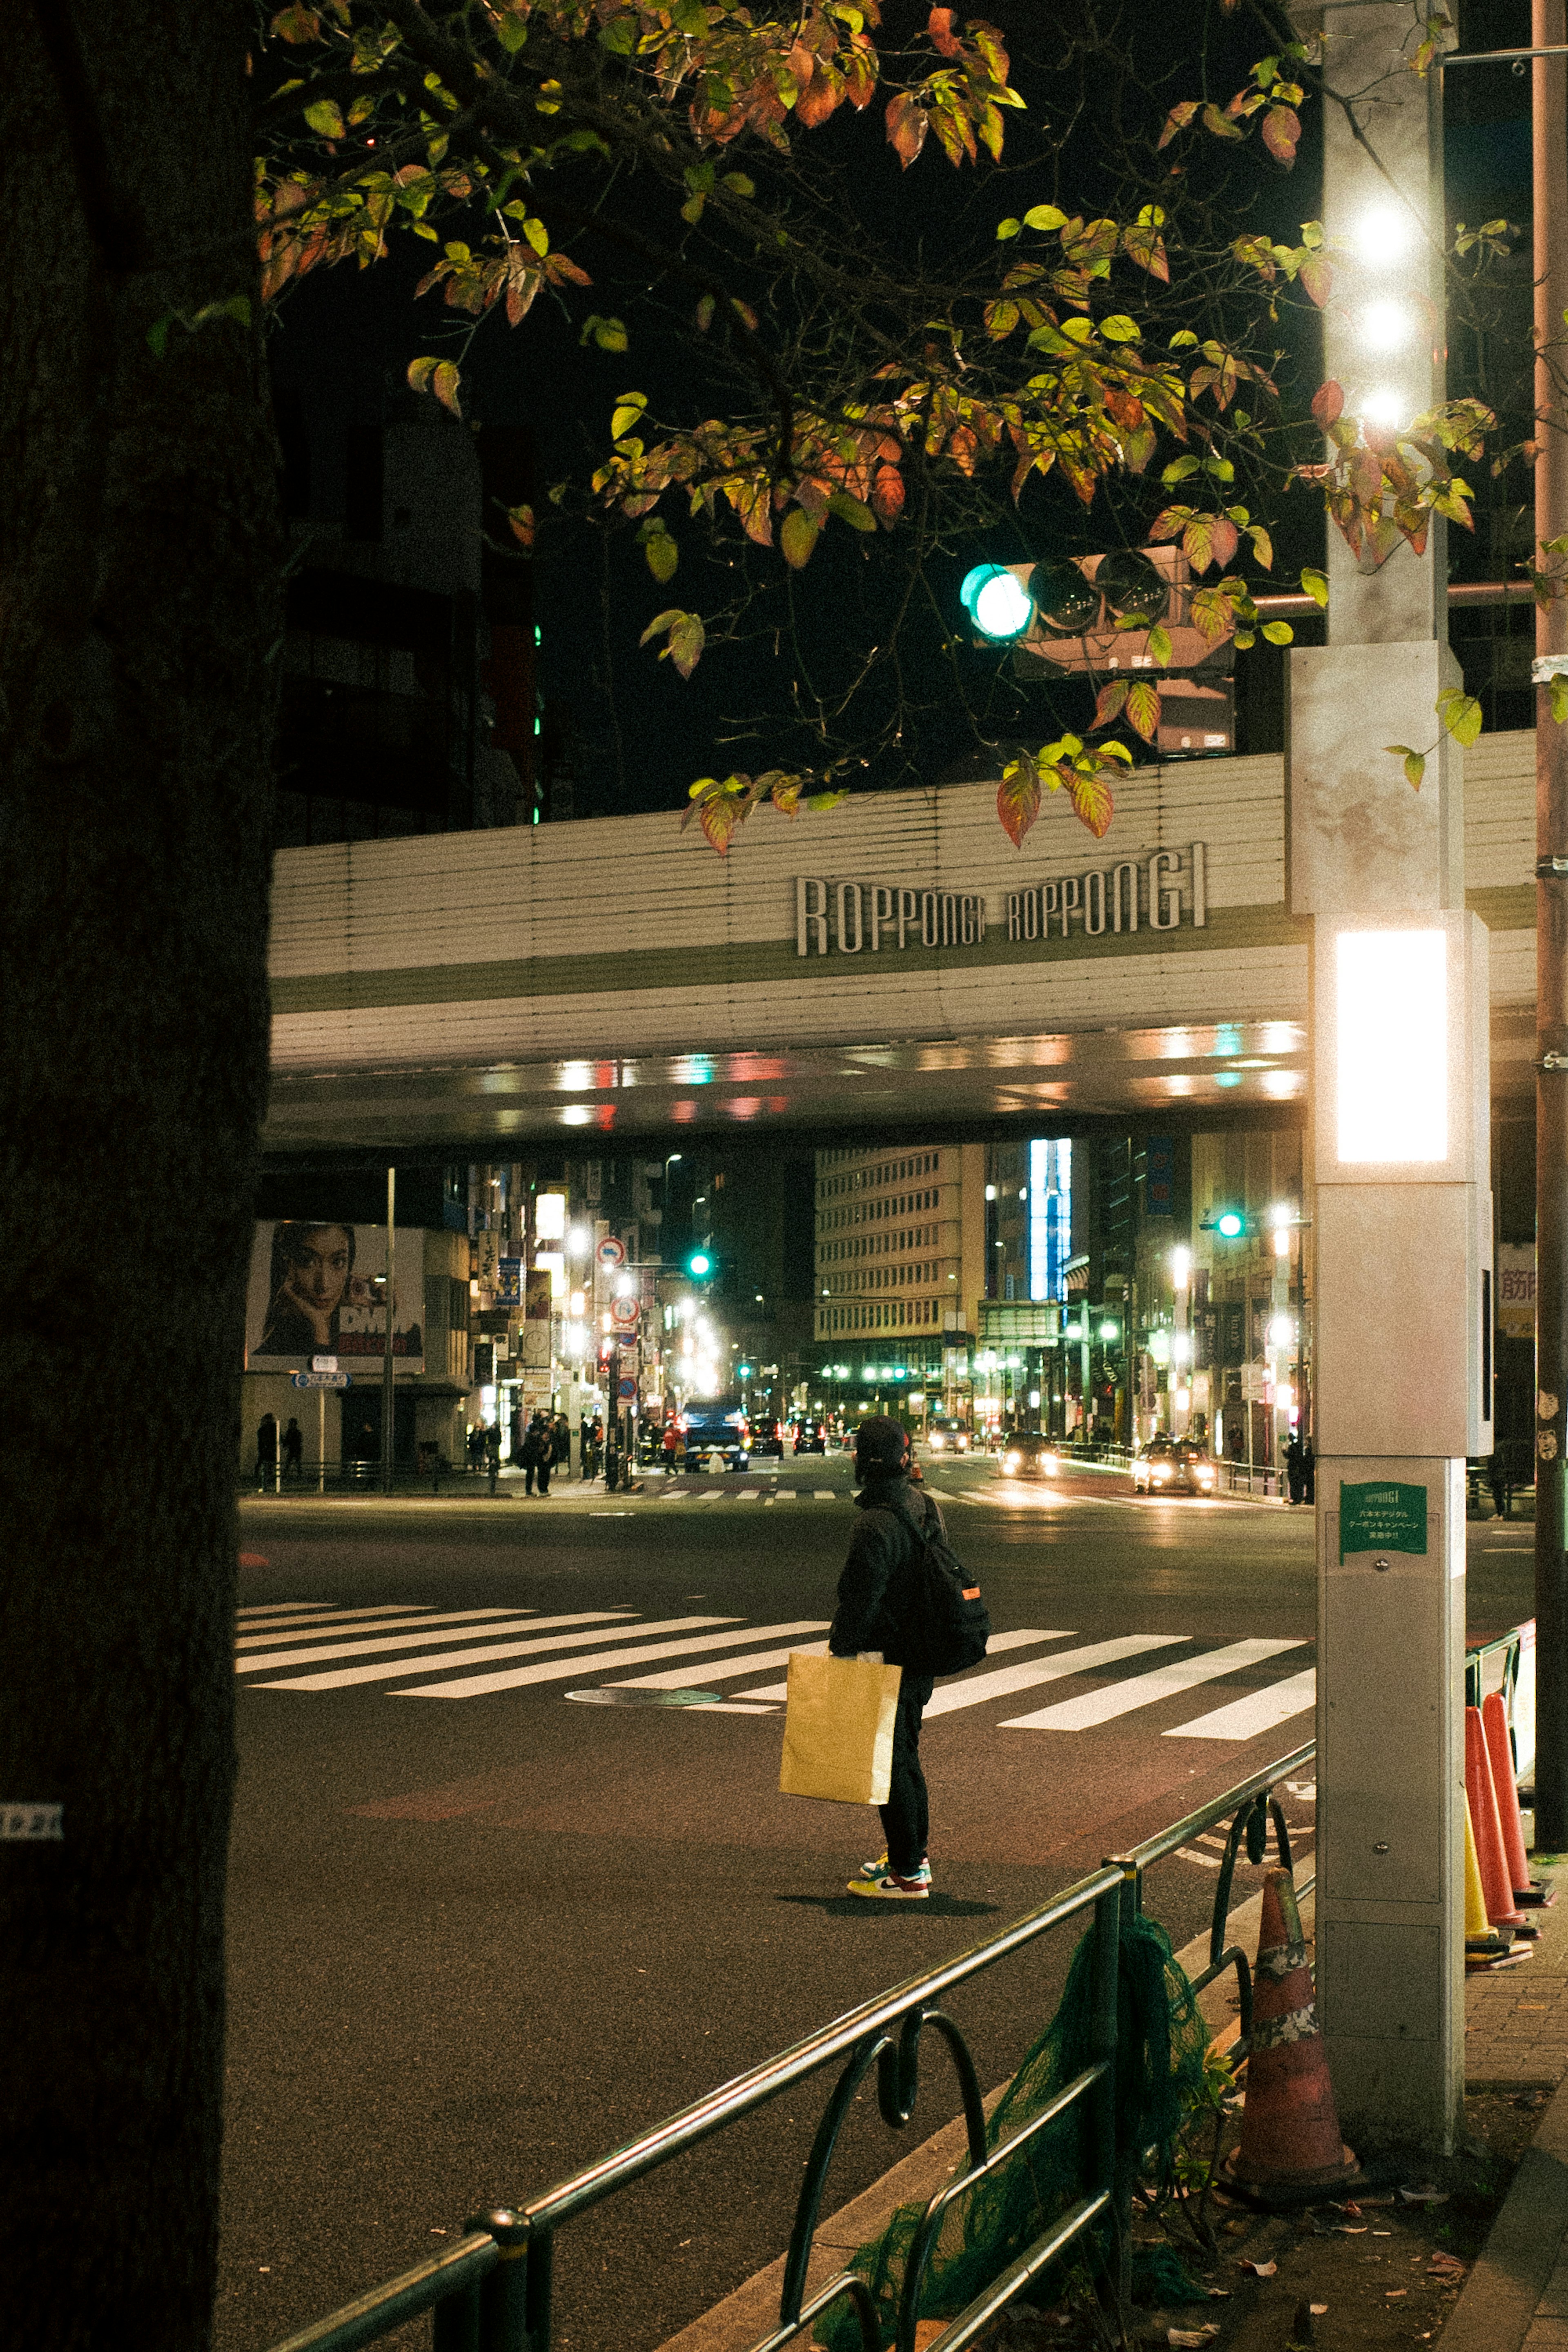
1521,2274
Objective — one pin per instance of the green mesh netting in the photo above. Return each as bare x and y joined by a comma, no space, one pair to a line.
1161,2040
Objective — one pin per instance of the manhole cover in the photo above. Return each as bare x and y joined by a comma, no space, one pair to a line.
644,1698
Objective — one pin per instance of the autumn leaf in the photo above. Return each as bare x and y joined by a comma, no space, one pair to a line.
1225,539
687,638
1019,799
1318,278
719,816
1215,121
907,123
852,510
1093,802
324,117
798,536
940,32
1177,119
1143,708
296,23
1415,763
521,519
663,553
1316,585
439,376
1557,688
1108,704
1281,133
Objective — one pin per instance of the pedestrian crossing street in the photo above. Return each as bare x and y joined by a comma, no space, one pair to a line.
407,1650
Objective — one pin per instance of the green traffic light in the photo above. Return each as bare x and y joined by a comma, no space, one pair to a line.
1231,1224
997,602
699,1263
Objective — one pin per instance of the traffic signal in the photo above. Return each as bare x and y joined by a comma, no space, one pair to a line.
997,602
700,1266
1229,1223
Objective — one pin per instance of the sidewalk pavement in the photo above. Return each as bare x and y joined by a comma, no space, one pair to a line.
1516,2296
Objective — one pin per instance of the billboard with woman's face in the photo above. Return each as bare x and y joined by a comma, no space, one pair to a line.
319,1290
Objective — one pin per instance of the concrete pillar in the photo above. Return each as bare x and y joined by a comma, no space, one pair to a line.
1402,1216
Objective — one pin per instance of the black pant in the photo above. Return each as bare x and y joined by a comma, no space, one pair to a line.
905,1817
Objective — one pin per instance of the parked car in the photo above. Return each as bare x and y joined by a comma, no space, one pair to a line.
717,1425
768,1436
1172,1466
811,1436
947,1436
1027,1454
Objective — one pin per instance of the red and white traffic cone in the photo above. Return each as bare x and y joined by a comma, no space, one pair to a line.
1290,2150
1529,1892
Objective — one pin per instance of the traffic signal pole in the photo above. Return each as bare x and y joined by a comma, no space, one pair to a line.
1399,1150
1549,115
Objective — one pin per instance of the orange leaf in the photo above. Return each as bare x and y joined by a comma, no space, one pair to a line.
1318,278
1327,403
1093,802
940,32
1177,119
1281,132
720,814
1019,799
907,123
1226,538
887,496
1108,706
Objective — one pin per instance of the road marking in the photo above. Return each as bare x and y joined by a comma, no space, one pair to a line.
824,1493
387,1670
679,1678
521,1677
285,1608
748,1494
1248,1717
382,1645
977,1688
1190,1853
366,1620
1023,1640
1146,1690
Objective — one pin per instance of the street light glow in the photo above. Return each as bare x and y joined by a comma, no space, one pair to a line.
579,1240
1181,1267
1386,326
1383,236
1387,405
1392,1046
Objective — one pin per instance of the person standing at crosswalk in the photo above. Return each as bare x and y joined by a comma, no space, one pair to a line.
873,1599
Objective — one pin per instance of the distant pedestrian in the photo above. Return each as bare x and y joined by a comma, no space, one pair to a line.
1499,1481
476,1446
493,1451
293,1450
1309,1473
1295,1469
593,1444
561,1443
266,1451
536,1453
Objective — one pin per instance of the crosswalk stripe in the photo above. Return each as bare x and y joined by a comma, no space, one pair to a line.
978,1688
369,1622
1244,1717
678,1677
747,1495
381,1646
386,1670
823,1493
280,1607
1024,1639
476,1685
1145,1690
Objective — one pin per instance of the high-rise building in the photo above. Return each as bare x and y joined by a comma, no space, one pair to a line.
901,1244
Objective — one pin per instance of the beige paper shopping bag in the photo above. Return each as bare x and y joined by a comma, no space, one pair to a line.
838,1728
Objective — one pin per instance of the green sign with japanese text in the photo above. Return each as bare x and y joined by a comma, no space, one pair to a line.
1382,1515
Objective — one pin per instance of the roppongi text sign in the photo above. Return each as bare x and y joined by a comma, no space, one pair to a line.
1154,890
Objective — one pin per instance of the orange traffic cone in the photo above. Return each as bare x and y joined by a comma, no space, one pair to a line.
1527,1892
1290,2149
1487,1825
1484,1944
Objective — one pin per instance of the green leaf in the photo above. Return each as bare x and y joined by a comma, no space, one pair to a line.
158,334
798,537
1044,217
1557,688
660,549
1315,585
1415,763
1160,643
1177,470
1279,632
1120,329
1182,339
739,184
1460,714
323,115
1007,228
629,412
852,510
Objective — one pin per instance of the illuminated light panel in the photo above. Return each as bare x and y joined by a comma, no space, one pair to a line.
578,1114
1282,1083
1388,406
1383,236
1386,326
1392,1046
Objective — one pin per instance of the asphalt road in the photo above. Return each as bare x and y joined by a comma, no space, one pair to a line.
483,1927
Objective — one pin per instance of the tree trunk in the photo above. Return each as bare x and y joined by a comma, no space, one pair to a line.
138,622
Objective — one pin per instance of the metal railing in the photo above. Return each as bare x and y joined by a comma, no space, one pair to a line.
492,2292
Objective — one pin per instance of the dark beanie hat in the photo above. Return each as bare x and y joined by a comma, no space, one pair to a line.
881,1447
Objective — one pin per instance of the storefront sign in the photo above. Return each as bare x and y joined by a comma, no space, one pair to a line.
321,1379
1381,1514
1516,1290
1154,891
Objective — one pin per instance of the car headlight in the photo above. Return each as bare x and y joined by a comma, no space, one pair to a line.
1162,1475
935,1444
1011,1461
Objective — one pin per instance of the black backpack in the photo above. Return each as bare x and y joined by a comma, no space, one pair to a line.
945,1624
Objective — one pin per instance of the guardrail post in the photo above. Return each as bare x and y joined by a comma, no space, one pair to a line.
455,2322
538,2270
503,2315
1118,1904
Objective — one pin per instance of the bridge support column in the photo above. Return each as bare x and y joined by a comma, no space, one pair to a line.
1399,1141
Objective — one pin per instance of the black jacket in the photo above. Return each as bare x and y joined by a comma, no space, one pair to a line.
872,1588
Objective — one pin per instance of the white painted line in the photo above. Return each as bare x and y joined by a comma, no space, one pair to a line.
386,1670
270,1659
284,1608
1245,1718
368,1621
476,1685
975,1689
1024,1640
679,1678
1146,1690
748,1494
671,1494
1190,1853
823,1493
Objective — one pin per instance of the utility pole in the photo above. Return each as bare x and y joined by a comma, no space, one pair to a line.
1549,110
387,1431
